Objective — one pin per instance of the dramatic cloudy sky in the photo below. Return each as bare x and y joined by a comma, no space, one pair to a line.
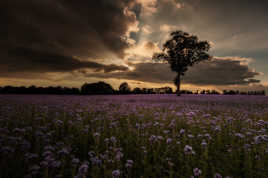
68,43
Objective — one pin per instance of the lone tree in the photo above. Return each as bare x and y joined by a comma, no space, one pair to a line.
100,88
181,51
124,88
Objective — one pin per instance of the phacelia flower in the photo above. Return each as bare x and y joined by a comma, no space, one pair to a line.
197,172
116,173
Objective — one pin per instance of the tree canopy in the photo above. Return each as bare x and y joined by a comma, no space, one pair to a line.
97,88
181,51
124,88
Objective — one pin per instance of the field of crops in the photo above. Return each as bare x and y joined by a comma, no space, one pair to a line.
133,136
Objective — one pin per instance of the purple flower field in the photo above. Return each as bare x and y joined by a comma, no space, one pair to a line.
133,136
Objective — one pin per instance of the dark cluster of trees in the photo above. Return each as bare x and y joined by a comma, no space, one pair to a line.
39,90
124,88
99,88
237,92
102,88
225,92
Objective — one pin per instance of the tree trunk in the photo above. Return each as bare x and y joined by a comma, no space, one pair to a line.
178,85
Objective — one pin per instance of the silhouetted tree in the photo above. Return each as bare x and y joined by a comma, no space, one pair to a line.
137,91
186,92
150,91
169,90
97,88
243,93
124,88
263,92
144,90
203,92
214,92
181,51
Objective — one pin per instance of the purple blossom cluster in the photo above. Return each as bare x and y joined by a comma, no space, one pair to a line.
133,136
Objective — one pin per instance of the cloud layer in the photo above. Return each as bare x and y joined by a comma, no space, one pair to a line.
99,37
49,35
220,71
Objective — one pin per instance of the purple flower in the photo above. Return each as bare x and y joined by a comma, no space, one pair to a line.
179,114
188,150
116,173
217,128
119,155
30,156
199,135
156,123
197,172
204,143
160,137
190,136
49,147
47,154
95,161
96,134
239,135
64,151
113,139
34,169
91,153
83,169
166,131
169,140
247,146
59,122
44,164
106,140
217,175
248,133
208,136
75,161
152,138
172,123
206,115
56,164
129,164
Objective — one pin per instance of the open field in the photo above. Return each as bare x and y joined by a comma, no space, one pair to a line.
133,136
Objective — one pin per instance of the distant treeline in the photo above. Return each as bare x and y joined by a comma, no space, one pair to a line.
225,92
38,90
102,88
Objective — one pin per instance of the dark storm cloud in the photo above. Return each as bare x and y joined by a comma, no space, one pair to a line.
25,60
60,29
144,72
221,72
216,72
